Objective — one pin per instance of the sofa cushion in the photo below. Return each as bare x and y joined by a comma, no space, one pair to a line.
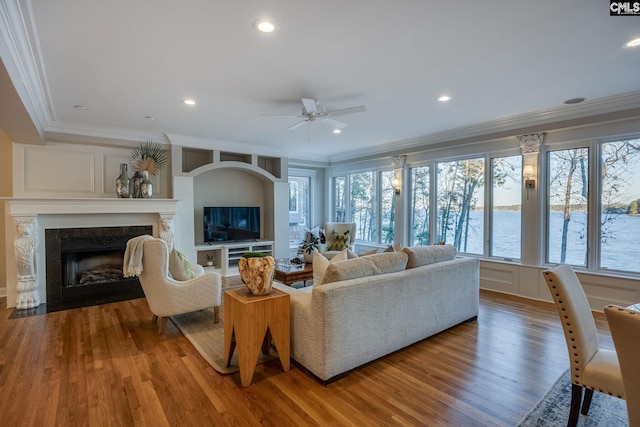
321,263
390,262
180,267
339,241
424,255
365,266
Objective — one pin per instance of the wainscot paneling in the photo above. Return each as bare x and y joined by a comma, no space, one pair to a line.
58,171
528,282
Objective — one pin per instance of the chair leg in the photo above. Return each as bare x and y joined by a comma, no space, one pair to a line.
576,398
154,319
216,314
586,403
163,325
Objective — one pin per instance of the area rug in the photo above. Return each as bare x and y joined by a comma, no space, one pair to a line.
553,409
208,338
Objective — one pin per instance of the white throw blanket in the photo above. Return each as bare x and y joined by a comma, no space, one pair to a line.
132,265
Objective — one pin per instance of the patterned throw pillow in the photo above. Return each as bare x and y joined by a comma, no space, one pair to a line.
339,241
180,267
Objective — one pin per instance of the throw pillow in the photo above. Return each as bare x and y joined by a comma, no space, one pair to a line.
321,263
351,254
396,247
369,253
180,267
339,241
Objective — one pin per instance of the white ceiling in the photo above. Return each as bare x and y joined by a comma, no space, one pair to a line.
127,59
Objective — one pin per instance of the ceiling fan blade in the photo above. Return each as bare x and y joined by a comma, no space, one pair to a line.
310,105
296,116
297,125
350,110
334,123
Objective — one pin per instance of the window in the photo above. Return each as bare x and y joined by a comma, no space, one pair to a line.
363,205
339,198
299,206
567,213
419,206
387,207
368,199
460,195
506,207
619,205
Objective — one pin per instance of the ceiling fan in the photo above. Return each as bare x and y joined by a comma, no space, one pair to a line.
313,111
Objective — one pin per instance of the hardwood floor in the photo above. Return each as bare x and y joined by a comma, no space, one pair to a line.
104,365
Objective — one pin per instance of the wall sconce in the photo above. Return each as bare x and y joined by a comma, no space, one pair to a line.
529,179
396,184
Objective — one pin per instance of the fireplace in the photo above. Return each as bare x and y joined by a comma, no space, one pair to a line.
84,266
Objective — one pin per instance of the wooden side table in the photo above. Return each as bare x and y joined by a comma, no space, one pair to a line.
250,322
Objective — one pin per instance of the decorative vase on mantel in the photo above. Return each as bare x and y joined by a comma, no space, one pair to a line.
146,187
135,185
123,183
257,271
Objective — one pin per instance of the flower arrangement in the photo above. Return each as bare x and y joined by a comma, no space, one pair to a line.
148,156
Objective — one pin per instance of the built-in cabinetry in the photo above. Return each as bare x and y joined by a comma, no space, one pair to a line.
193,158
225,256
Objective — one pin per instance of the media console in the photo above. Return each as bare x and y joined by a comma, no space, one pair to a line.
226,255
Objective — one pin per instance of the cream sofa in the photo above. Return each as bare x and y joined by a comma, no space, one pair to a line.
400,298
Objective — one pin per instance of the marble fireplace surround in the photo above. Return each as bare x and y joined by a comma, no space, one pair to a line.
27,220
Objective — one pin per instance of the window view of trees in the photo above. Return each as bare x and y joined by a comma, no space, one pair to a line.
567,183
506,207
387,207
339,198
363,205
460,198
368,199
419,206
619,200
299,206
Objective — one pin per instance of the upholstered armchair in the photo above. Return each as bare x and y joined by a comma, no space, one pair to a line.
338,235
167,296
591,367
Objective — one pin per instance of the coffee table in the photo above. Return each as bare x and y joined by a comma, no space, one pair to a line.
291,275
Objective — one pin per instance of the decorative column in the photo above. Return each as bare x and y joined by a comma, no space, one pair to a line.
166,229
531,143
25,252
532,225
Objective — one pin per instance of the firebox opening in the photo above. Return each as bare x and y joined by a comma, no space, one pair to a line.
84,266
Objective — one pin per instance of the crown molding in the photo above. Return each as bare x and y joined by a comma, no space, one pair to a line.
598,107
22,63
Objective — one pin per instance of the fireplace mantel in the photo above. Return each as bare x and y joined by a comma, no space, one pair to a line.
21,207
31,216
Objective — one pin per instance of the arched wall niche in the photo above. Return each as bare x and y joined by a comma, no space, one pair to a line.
233,186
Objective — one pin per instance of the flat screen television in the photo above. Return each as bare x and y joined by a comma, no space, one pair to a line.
231,223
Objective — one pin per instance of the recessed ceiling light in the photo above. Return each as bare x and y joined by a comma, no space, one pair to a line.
80,107
264,26
336,131
574,101
189,101
633,43
444,98
149,117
